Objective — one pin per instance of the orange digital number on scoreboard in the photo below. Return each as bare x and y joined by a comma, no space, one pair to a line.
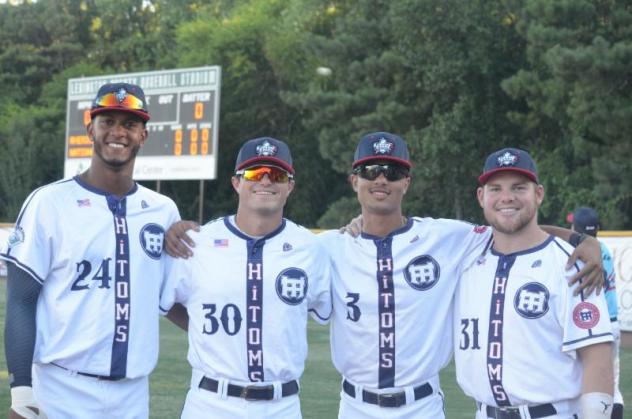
205,141
177,147
194,145
199,110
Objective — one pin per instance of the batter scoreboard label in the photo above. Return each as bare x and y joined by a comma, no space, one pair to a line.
183,130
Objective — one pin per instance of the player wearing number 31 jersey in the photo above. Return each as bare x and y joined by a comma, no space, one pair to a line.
527,347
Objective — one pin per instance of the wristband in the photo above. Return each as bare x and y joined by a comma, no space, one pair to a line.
596,405
576,239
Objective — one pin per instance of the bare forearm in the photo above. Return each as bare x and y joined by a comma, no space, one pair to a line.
597,362
179,316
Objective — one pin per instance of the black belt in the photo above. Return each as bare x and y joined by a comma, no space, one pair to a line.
539,411
250,392
387,399
98,377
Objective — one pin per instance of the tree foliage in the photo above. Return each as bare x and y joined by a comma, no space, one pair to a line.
456,79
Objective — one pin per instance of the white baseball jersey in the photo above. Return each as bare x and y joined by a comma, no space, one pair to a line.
393,299
99,260
518,327
248,299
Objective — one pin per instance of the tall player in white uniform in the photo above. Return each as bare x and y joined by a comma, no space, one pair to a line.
85,278
392,291
248,289
527,347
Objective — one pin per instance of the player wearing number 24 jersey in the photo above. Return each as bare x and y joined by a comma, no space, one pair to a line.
85,278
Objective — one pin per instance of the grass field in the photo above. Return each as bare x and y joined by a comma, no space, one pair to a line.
320,383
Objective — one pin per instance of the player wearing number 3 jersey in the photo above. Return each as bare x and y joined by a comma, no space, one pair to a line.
248,289
85,278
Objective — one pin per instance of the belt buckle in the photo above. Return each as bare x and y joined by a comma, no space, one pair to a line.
389,400
246,392
507,413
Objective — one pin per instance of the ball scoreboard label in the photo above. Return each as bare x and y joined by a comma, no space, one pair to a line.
184,109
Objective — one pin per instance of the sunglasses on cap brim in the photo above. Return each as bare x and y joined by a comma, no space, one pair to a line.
256,173
115,99
392,172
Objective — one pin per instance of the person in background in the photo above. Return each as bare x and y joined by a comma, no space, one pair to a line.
585,220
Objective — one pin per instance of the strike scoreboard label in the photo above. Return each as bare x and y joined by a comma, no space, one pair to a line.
183,129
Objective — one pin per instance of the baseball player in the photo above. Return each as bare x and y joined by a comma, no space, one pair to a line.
392,291
525,346
248,290
85,274
585,220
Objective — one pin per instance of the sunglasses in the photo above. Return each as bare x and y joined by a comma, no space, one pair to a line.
120,98
391,172
255,174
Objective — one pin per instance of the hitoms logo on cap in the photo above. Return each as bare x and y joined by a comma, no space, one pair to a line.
507,159
382,146
266,149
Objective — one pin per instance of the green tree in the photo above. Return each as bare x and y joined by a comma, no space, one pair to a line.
578,112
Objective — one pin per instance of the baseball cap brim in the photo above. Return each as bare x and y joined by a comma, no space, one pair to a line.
403,162
266,159
482,179
141,114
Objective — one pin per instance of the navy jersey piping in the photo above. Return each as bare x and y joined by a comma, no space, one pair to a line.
401,230
233,229
100,191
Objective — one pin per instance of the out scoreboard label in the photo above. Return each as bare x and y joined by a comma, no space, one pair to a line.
183,130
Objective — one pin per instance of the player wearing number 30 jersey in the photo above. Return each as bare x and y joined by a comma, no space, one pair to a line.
248,289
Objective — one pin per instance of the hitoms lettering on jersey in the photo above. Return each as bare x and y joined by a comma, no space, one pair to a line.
526,346
86,271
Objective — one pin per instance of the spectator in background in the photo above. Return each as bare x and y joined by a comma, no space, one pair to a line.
586,220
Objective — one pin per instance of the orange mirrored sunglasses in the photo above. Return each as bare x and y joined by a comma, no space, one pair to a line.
120,98
256,173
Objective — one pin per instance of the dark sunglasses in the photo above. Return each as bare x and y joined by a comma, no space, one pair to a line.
391,172
255,174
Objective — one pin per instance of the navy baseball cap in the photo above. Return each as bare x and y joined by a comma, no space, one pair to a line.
122,97
264,150
585,220
509,160
382,146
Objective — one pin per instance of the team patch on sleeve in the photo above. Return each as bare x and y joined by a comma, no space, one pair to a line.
16,237
480,229
586,315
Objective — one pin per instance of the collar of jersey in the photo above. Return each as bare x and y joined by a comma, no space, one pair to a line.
401,230
523,252
99,191
230,226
